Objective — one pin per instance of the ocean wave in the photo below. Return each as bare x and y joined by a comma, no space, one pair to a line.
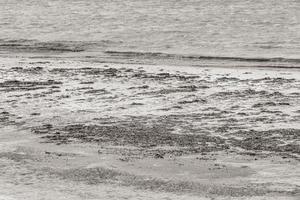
23,45
147,55
98,51
36,46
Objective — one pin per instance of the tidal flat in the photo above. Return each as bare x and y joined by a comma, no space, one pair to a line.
85,130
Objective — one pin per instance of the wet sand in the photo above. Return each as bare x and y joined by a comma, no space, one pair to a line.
81,130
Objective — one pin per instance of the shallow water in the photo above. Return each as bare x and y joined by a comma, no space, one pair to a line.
214,28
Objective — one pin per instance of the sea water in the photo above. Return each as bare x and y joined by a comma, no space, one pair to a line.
224,32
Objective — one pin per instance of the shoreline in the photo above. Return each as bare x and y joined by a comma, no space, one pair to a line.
160,59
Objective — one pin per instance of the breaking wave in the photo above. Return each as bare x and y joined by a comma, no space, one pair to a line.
196,57
23,45
100,51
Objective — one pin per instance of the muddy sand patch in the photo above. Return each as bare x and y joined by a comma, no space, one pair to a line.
149,137
277,140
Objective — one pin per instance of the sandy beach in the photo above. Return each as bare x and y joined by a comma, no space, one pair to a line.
86,130
149,100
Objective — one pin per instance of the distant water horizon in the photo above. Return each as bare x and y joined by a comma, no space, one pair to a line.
248,32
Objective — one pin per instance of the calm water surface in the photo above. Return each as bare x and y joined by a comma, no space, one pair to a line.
224,30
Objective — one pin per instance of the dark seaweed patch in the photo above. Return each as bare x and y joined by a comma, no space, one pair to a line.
15,85
146,136
278,140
